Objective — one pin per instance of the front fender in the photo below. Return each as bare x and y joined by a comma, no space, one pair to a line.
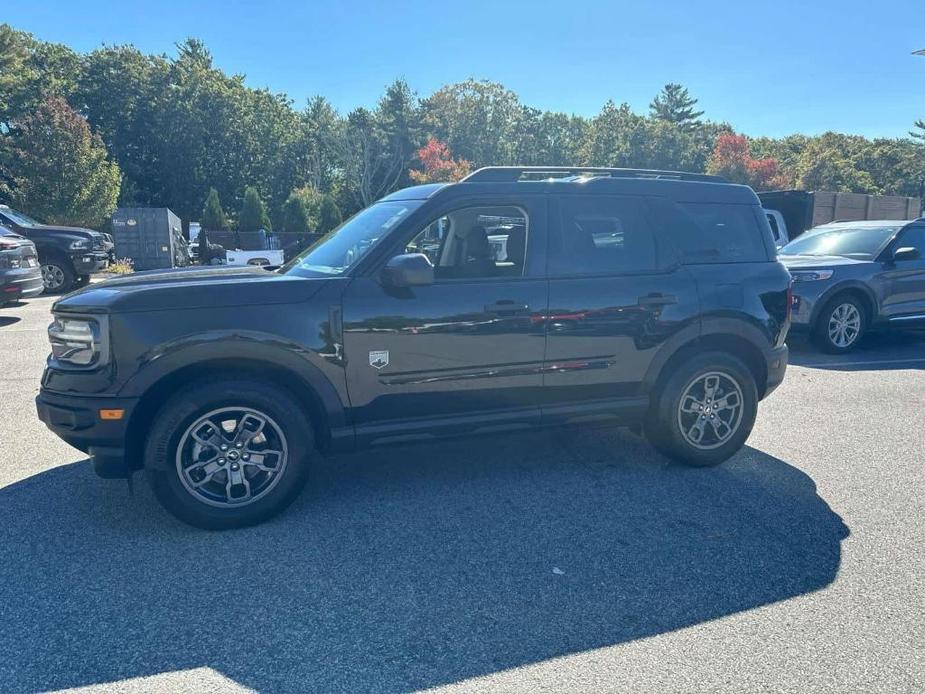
311,369
847,285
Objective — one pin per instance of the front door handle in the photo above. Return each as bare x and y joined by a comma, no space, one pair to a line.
506,307
657,300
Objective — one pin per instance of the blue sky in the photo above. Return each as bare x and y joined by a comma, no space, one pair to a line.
768,68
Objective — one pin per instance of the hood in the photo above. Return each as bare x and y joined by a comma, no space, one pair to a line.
51,229
190,288
801,262
70,230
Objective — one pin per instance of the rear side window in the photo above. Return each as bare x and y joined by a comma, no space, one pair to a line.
719,233
601,235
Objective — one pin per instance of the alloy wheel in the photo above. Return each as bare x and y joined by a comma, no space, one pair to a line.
52,276
231,457
844,325
710,410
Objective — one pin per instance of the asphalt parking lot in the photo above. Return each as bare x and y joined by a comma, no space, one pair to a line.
558,561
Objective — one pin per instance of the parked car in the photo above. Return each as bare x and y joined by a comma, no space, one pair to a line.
648,299
20,274
67,254
850,277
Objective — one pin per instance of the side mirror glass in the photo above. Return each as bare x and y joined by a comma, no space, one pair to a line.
906,253
408,270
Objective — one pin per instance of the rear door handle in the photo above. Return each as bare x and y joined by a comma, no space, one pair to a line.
506,307
657,299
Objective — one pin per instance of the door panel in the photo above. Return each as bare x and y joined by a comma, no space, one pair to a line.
905,279
603,332
451,348
463,346
612,300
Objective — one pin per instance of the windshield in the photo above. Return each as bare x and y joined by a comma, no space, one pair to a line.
19,218
342,248
855,242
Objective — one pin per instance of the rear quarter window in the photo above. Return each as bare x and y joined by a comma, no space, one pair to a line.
708,232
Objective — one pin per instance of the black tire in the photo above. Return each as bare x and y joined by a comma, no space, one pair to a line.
82,281
170,428
62,271
663,425
822,336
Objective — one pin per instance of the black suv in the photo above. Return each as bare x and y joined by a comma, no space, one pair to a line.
67,254
518,297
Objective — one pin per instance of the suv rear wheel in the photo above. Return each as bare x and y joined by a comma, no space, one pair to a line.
228,454
705,411
840,324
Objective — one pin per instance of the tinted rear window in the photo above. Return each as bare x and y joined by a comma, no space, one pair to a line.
719,233
602,236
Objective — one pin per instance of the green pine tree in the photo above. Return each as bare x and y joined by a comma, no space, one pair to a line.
301,210
213,216
675,105
329,217
253,212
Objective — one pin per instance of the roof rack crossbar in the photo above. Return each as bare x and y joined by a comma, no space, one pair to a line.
512,174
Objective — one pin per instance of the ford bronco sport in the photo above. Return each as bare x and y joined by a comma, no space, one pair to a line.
517,297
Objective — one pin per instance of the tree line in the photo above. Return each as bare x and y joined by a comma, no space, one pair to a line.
81,133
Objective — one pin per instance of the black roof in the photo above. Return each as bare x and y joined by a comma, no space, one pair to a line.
677,185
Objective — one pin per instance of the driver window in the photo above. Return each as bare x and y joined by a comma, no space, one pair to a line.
913,237
475,242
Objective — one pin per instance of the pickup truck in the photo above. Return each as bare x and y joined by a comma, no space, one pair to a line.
67,255
264,257
791,212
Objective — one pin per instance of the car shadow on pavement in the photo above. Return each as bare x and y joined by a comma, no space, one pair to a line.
9,320
404,568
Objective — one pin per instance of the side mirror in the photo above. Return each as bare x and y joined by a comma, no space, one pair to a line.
906,253
408,270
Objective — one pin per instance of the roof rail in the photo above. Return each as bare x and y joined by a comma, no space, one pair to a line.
512,174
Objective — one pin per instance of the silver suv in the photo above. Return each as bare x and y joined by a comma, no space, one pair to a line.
850,277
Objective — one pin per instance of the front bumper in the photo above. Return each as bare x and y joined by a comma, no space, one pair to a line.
22,283
806,299
76,420
85,263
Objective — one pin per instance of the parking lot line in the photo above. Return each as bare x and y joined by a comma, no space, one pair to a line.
878,362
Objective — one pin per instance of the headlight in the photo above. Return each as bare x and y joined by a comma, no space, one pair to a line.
79,342
811,275
82,244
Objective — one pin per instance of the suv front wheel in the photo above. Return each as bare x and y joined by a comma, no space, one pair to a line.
57,276
840,325
705,411
228,454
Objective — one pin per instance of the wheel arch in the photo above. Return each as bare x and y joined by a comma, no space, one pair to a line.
729,342
316,395
855,289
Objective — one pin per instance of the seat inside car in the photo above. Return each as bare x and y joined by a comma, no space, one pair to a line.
479,262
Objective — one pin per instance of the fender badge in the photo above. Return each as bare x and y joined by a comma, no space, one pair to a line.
379,358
